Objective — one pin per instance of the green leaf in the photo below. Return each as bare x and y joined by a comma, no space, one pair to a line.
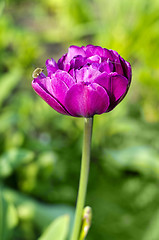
8,217
2,5
31,210
57,230
7,119
8,83
152,230
12,159
3,210
143,159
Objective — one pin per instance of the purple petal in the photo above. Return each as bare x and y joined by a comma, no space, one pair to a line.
94,50
58,85
126,69
86,100
77,62
65,77
106,66
57,88
117,63
47,97
39,82
117,86
86,74
95,65
61,62
103,80
72,73
51,65
118,67
75,51
107,54
114,54
93,59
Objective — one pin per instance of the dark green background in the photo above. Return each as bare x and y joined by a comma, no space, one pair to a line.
41,149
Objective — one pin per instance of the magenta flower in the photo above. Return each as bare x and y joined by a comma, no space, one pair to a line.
86,81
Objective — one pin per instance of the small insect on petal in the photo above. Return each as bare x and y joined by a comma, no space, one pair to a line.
37,72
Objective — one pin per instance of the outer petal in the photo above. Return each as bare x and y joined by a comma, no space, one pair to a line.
107,54
58,85
57,88
117,86
126,69
86,100
117,63
47,97
114,54
87,74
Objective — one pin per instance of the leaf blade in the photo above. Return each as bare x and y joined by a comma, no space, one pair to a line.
57,230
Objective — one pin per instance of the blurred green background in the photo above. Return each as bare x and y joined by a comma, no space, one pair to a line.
40,150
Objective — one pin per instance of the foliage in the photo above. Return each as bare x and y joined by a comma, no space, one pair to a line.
57,230
41,149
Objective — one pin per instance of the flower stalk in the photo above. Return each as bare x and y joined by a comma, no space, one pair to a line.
85,163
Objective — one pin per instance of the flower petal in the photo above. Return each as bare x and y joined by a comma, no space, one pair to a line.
126,69
77,62
51,65
72,73
93,59
61,62
117,86
47,97
74,51
87,74
106,66
65,77
86,100
94,50
57,88
107,54
64,62
103,80
58,84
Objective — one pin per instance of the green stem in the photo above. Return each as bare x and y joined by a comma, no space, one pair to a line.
83,177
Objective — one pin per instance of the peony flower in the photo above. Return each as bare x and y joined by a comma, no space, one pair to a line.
86,81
